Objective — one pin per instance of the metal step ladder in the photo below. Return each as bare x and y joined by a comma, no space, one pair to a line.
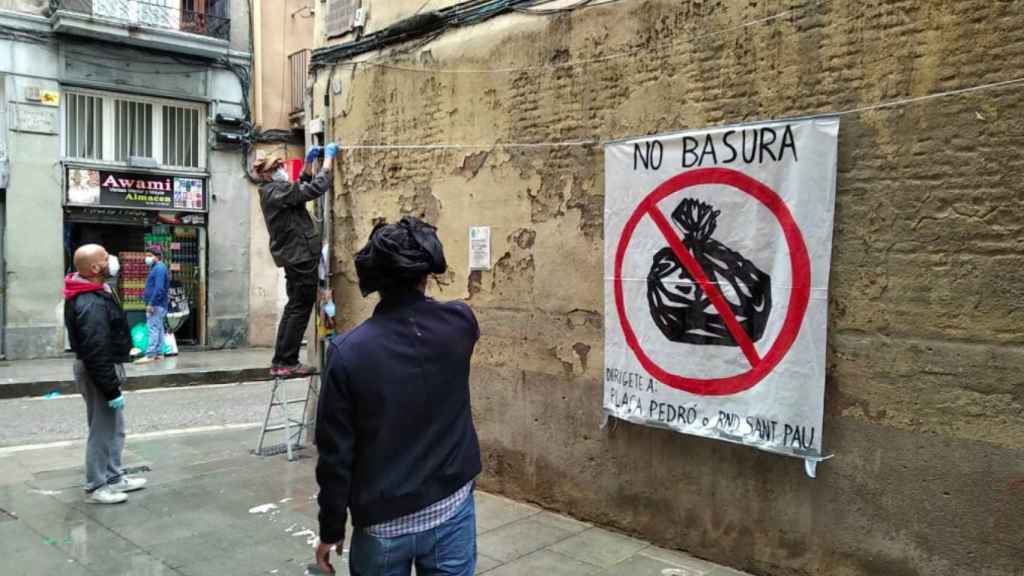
293,427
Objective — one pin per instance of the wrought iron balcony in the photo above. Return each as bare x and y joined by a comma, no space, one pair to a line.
203,17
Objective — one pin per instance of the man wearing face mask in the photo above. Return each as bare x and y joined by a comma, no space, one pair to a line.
98,335
156,295
295,246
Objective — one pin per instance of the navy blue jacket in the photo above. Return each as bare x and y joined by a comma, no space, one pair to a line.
394,425
158,286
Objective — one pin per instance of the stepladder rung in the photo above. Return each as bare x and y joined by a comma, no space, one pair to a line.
294,422
292,401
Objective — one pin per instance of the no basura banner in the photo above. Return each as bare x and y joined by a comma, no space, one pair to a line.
717,253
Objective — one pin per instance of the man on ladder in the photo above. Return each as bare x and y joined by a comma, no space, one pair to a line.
295,246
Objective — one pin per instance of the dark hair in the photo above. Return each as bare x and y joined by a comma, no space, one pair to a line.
398,256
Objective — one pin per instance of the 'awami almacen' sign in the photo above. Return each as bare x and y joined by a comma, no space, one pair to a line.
91,187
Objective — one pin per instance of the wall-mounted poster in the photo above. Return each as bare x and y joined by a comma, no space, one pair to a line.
83,186
188,193
717,252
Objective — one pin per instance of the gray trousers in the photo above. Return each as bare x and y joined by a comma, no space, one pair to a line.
106,432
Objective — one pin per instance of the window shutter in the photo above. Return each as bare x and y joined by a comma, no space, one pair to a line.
341,15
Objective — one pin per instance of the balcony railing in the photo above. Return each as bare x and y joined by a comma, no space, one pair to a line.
203,17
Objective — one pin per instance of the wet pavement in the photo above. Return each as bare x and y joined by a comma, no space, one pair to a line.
212,509
23,378
40,420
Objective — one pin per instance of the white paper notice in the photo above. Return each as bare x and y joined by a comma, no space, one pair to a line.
480,248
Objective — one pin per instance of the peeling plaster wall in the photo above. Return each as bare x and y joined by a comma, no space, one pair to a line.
925,389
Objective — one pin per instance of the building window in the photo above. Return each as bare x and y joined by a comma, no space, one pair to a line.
114,129
133,129
181,136
341,16
83,126
298,64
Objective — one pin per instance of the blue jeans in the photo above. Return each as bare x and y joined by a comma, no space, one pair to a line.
447,550
155,328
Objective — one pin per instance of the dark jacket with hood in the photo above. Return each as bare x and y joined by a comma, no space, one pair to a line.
294,239
97,330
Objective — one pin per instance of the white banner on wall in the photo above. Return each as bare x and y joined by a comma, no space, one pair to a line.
717,249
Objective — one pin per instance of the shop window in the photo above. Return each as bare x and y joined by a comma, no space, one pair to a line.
133,129
181,136
83,123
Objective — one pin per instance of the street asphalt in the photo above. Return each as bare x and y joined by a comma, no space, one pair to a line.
41,420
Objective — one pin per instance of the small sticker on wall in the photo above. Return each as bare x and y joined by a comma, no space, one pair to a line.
479,248
49,97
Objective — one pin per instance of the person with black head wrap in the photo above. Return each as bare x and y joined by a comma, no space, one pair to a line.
398,255
395,435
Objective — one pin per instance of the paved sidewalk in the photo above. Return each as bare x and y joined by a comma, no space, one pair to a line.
22,378
212,509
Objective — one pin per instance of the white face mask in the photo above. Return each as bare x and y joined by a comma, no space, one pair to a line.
281,176
150,260
113,265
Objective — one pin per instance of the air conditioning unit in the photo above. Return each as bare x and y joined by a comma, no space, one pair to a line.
154,13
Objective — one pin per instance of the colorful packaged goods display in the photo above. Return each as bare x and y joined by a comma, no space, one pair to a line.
133,279
162,236
184,251
181,255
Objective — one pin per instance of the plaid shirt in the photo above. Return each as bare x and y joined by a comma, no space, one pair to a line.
430,517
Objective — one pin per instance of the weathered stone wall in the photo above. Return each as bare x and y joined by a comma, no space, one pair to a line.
925,390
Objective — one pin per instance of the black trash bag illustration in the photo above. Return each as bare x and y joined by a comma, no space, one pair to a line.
681,309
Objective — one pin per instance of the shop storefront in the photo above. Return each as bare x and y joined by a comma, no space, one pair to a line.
126,211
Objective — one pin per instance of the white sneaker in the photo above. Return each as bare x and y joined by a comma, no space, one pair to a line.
127,484
105,495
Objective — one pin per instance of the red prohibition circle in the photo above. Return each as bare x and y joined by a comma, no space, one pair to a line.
798,298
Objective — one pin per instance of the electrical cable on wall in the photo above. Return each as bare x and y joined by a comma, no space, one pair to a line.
580,5
473,12
896,103
380,63
417,26
12,33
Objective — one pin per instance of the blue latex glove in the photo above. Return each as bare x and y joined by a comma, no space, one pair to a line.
331,151
116,403
313,153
